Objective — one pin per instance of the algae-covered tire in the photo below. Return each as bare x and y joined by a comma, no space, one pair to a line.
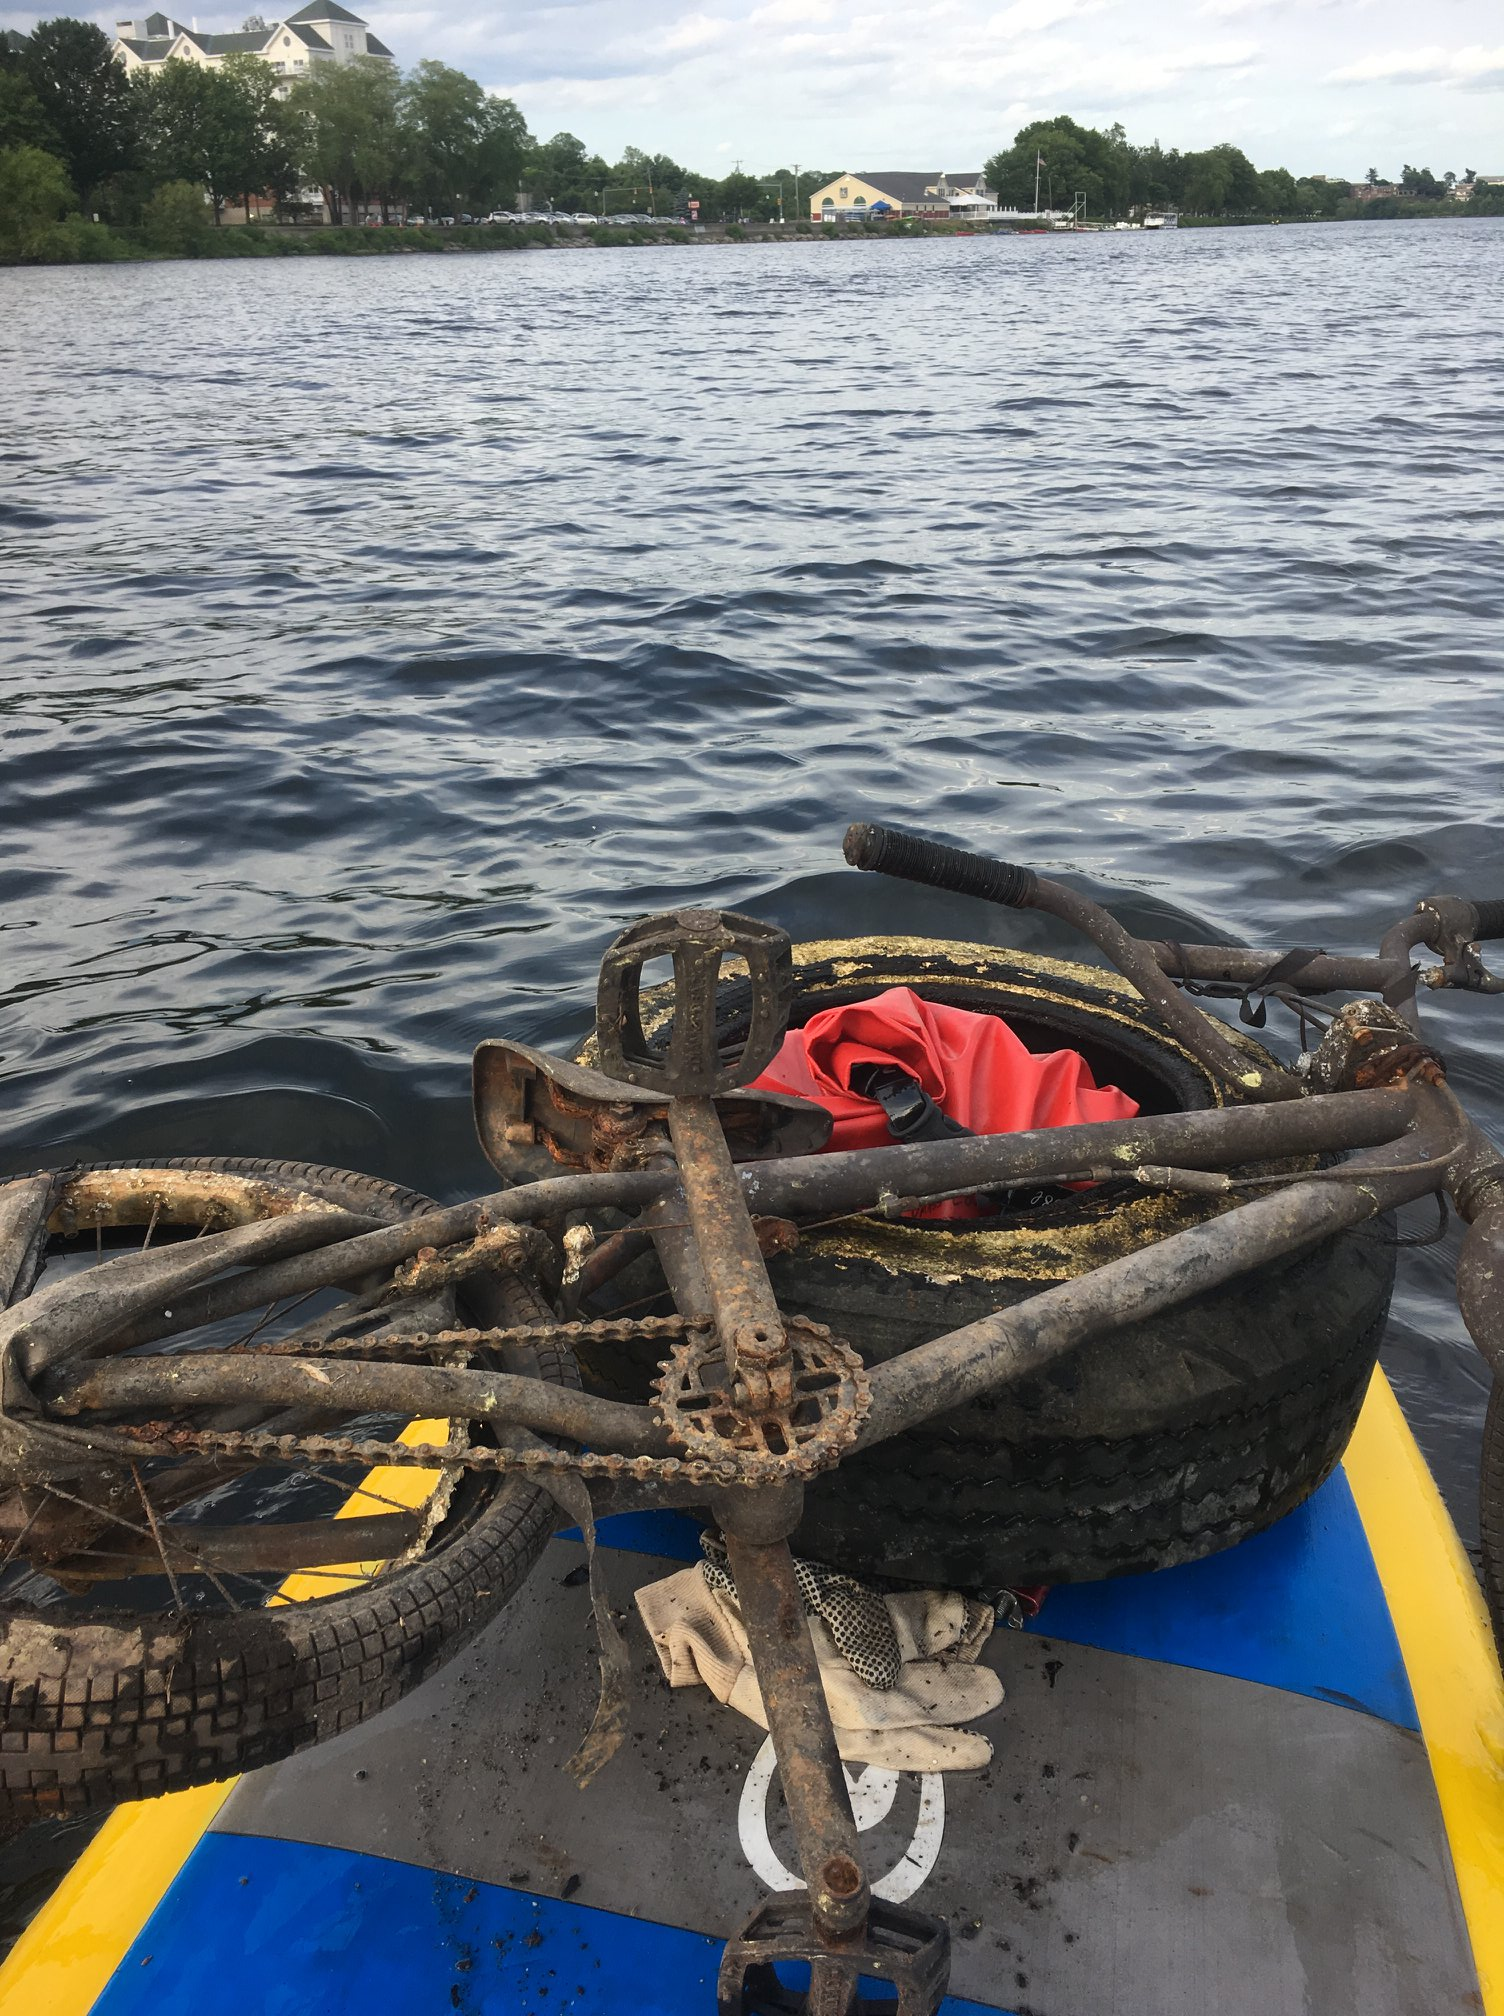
95,1709
1153,1444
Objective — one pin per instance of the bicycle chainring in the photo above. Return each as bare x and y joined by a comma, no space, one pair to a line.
773,1443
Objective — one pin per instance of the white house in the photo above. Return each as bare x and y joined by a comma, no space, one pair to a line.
322,32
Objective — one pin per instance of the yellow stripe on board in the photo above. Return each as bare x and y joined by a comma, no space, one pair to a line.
63,1961
1443,1631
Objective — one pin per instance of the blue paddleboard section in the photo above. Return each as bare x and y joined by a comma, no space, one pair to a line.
254,1927
1300,1607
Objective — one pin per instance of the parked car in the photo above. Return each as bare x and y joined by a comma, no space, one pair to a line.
504,217
584,217
446,223
418,223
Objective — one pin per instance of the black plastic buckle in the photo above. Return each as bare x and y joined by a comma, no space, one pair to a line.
907,1948
911,1113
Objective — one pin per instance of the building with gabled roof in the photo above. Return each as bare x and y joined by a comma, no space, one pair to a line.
322,32
899,192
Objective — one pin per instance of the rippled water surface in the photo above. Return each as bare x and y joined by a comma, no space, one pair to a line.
380,636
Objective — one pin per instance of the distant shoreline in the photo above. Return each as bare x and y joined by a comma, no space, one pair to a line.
102,245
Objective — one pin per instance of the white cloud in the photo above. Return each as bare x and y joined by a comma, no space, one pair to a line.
1303,83
1474,68
1033,17
697,31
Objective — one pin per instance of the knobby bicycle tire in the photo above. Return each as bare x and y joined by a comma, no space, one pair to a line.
99,1709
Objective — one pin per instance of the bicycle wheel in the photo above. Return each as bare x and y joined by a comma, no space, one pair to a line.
106,1691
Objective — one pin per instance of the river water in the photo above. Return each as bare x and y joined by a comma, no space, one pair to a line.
381,635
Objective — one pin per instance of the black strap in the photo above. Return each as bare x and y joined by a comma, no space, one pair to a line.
1275,980
910,1112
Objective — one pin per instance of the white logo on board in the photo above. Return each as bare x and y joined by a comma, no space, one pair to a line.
872,1794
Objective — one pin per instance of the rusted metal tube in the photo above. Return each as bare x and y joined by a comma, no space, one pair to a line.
1475,1179
1396,946
375,1253
215,1378
242,1550
74,1314
816,1186
809,1763
964,1364
880,850
1201,1034
23,1229
745,1307
1480,1286
1241,966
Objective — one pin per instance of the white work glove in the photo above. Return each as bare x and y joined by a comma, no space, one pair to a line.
698,1634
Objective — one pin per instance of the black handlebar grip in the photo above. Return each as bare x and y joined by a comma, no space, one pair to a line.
1490,915
885,852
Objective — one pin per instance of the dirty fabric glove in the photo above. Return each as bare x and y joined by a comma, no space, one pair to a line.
698,1634
856,1616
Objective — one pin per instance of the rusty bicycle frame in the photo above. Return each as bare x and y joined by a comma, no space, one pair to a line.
751,1403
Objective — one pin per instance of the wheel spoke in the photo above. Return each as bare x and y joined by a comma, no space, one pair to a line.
156,1531
15,1546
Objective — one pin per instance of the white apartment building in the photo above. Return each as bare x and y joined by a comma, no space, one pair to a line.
323,32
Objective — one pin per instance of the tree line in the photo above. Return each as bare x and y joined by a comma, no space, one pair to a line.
1114,177
166,149
171,146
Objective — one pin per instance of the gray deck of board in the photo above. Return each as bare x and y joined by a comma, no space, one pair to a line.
1148,1841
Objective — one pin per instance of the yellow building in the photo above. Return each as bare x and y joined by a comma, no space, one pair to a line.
938,194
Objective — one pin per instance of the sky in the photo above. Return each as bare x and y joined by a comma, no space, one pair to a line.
1316,86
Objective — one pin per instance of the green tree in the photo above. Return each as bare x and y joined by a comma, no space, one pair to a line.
1072,160
85,98
259,133
1320,196
186,119
1221,181
1420,182
560,174
175,218
1486,201
23,123
637,176
329,109
1155,178
732,199
351,133
221,128
1372,178
34,194
467,147
1277,193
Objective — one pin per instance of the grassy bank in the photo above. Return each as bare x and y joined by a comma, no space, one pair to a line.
77,241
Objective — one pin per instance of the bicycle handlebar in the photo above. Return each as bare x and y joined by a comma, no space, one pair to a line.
883,852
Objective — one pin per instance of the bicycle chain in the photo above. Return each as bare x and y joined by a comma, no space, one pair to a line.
600,1330
338,1449
159,1438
